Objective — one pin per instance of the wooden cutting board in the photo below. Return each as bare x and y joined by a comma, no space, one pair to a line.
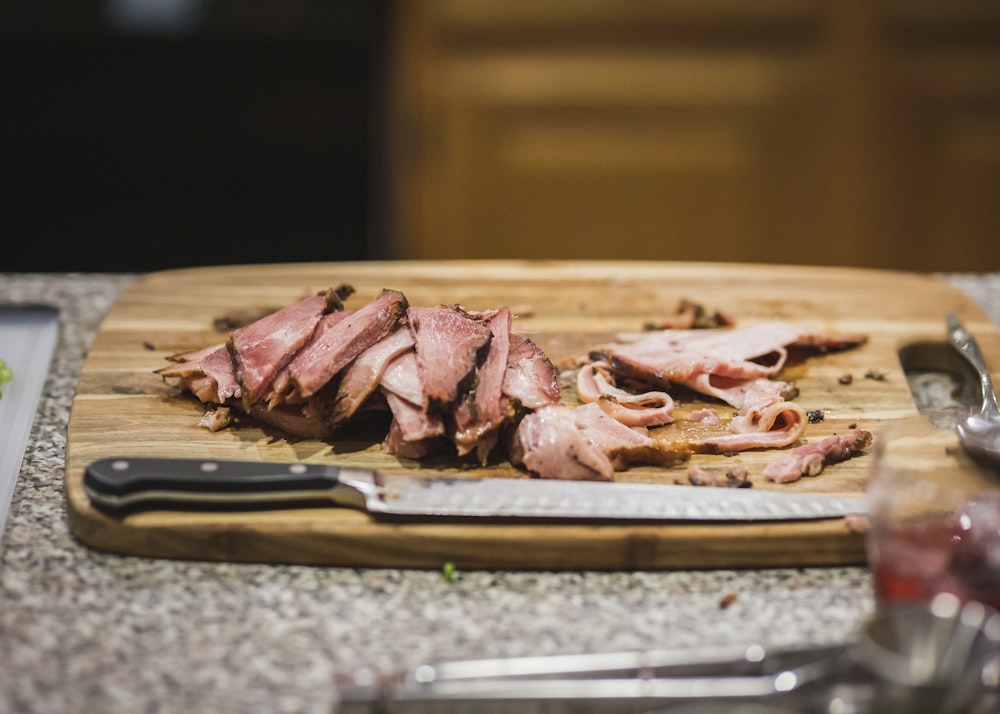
122,408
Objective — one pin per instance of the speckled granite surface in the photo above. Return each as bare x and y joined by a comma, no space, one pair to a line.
82,631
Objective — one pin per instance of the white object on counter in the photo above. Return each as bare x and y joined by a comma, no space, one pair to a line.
28,335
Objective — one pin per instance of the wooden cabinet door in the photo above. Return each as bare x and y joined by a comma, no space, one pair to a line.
791,133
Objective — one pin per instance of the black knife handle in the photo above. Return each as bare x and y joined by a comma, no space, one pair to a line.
124,484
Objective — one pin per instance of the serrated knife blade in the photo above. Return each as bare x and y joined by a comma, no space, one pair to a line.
121,485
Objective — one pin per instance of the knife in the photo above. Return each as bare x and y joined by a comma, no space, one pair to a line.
121,485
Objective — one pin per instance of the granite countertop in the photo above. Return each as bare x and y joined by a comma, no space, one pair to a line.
87,631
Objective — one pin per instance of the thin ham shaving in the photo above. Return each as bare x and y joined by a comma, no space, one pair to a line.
677,355
414,423
402,378
584,443
282,390
264,347
207,373
811,459
530,379
482,410
652,408
549,443
448,343
361,378
335,347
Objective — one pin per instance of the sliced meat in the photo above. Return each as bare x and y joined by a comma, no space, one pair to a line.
262,348
652,408
448,342
549,443
413,421
482,409
530,379
402,378
334,347
767,426
622,444
677,355
207,373
282,390
811,459
742,392
361,378
584,443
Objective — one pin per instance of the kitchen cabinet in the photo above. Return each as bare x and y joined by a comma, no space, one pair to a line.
850,133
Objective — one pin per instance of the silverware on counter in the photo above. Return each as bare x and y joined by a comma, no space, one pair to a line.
942,657
979,432
28,336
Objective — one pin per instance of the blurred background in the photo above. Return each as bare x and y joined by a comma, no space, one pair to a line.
150,134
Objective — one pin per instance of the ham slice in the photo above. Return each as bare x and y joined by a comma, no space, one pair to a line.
448,342
264,347
412,420
811,459
584,443
653,408
549,443
206,373
337,343
282,390
530,379
735,366
677,355
483,409
361,378
402,378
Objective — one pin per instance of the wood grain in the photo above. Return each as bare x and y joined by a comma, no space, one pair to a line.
122,408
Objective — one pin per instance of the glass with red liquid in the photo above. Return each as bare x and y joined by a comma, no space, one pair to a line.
934,519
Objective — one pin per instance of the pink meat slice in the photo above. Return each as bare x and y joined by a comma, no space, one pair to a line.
361,377
811,459
530,378
678,355
624,445
549,443
262,348
402,378
413,421
653,408
282,390
584,443
218,367
769,426
741,392
766,419
448,343
334,346
482,409
206,373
